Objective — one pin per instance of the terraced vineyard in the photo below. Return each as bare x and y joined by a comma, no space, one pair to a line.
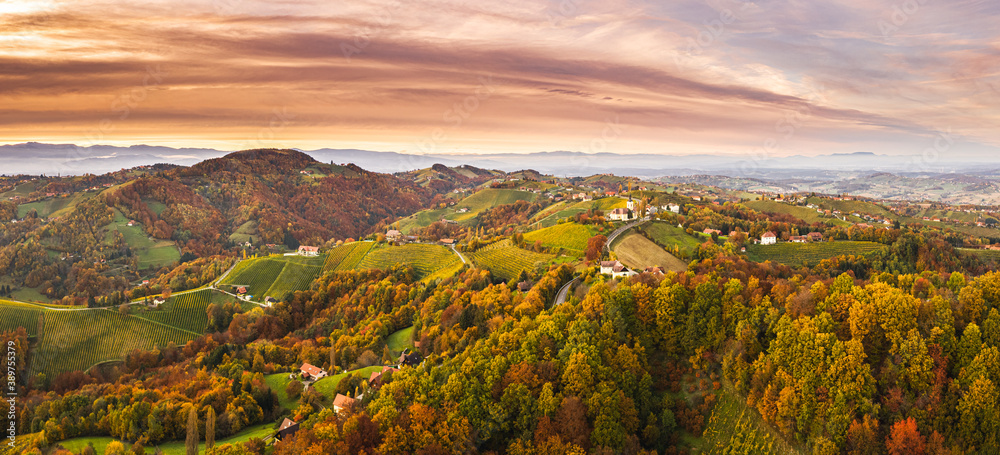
346,256
569,236
426,259
77,340
274,276
796,254
506,260
15,314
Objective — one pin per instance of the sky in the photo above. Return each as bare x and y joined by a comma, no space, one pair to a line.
764,78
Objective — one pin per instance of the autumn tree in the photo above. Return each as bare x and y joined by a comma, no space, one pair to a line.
210,428
904,439
595,247
191,443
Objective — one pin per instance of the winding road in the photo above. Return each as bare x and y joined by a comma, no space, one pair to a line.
564,291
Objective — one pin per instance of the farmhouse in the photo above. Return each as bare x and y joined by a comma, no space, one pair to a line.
312,372
158,301
674,208
447,241
616,269
607,267
798,239
241,290
341,402
288,427
270,300
308,250
712,231
392,235
769,238
410,359
815,236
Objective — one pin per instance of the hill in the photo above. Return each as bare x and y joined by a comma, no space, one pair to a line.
638,252
506,260
162,215
274,276
796,254
568,236
465,210
78,340
671,237
429,261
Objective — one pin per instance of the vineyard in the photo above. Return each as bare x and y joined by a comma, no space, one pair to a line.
77,340
506,260
293,277
347,256
425,259
274,276
15,314
735,429
187,311
671,236
489,198
986,255
796,254
569,236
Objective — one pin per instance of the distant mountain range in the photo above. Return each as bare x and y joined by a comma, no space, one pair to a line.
68,159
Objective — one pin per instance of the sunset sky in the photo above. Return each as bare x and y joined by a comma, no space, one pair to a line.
673,77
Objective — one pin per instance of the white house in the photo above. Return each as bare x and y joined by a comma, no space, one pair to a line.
619,215
607,267
674,208
769,238
308,250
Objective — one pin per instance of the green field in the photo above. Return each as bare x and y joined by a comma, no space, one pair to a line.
672,236
15,314
551,215
426,259
261,431
187,311
77,340
277,382
274,276
55,206
848,207
808,253
476,203
638,252
328,385
399,341
489,198
506,260
347,256
803,213
247,232
151,252
569,236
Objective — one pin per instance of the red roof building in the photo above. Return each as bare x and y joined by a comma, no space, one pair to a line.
312,371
